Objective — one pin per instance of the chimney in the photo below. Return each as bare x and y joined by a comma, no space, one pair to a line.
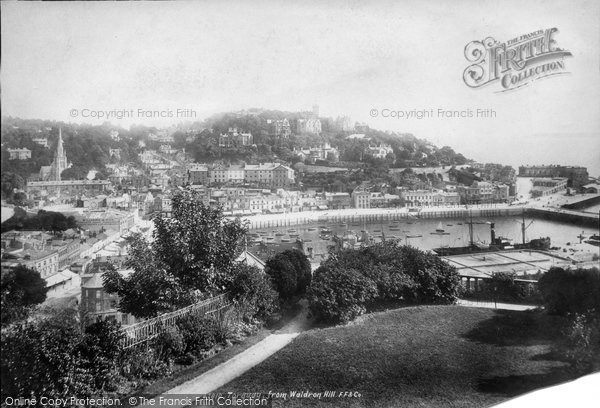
492,233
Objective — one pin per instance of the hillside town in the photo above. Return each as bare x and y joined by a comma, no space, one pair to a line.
291,204
134,191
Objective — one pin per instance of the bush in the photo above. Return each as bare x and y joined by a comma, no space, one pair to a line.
168,344
392,283
290,273
567,291
41,358
101,349
144,363
198,333
583,342
253,293
338,295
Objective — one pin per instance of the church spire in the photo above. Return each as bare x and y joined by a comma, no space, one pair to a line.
59,148
60,159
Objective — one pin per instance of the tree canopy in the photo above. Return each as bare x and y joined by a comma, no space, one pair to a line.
192,255
290,273
21,288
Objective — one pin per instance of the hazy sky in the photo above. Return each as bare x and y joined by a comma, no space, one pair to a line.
347,57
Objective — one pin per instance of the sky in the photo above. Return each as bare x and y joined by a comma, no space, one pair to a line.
68,61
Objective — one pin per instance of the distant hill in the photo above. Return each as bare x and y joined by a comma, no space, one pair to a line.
408,149
88,147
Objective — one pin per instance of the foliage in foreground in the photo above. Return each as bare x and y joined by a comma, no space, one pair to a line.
192,256
345,284
52,356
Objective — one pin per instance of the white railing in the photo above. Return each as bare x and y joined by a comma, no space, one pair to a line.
148,329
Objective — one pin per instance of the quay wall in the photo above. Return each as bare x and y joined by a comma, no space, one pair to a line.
373,215
571,217
583,204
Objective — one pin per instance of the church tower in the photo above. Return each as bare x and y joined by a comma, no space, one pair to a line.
60,159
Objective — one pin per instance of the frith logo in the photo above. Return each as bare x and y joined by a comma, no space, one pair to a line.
514,63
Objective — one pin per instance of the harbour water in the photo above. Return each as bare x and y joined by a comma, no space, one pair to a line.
420,233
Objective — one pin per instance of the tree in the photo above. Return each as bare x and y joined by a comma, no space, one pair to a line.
567,291
22,288
192,256
251,289
398,273
290,272
339,295
10,182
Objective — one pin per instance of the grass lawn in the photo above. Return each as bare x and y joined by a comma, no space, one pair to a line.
429,356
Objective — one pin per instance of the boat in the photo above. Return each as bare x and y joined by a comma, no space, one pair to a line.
269,238
325,230
593,240
294,235
279,234
291,230
285,240
312,229
497,243
440,230
414,236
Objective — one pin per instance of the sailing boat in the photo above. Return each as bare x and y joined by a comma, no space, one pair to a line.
440,230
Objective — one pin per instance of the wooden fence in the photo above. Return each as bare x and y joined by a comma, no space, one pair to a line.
141,332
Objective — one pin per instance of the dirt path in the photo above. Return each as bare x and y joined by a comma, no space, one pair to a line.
236,366
493,305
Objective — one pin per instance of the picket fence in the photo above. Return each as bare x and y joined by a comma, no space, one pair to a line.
148,329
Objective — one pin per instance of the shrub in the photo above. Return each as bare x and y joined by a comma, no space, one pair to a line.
338,295
144,363
583,342
568,291
101,349
198,332
392,283
253,293
169,343
41,357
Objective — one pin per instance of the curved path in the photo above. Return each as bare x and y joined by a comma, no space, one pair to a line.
239,364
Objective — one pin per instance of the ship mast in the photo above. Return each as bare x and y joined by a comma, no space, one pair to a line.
471,228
